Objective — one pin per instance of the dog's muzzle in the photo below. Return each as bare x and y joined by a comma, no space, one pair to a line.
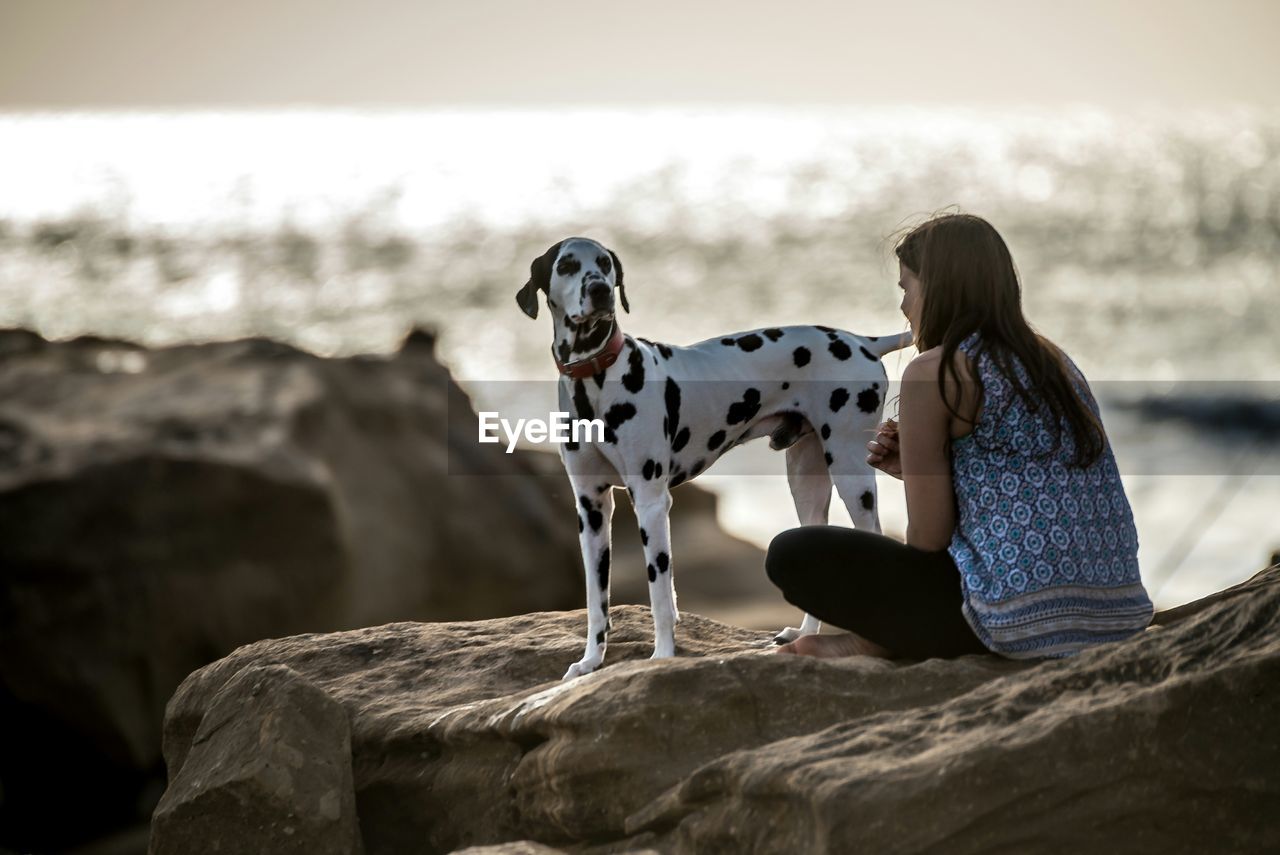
600,295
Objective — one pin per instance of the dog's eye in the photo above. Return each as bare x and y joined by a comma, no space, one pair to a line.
568,266
604,264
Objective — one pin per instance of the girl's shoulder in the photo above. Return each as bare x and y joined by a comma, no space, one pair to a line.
926,368
928,365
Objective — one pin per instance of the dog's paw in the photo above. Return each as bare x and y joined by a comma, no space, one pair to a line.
787,634
581,668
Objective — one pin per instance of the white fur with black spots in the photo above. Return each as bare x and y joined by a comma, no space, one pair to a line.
672,411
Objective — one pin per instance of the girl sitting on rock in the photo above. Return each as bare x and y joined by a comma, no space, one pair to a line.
1020,539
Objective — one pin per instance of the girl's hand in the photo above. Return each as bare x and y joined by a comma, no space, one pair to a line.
884,450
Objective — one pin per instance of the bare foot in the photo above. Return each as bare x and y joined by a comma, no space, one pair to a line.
834,646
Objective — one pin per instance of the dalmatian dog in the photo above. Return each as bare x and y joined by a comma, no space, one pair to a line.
670,412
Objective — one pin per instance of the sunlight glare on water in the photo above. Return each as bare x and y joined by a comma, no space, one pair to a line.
1148,243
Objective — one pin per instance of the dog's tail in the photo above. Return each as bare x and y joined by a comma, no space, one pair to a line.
889,343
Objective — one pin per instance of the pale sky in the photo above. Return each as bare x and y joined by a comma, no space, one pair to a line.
58,54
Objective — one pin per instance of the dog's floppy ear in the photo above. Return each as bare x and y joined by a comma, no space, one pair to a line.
617,272
539,279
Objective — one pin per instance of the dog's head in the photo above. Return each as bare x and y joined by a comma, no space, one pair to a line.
578,277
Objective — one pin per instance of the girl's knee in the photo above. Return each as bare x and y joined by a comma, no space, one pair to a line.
787,555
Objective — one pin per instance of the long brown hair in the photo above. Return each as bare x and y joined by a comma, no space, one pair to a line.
970,284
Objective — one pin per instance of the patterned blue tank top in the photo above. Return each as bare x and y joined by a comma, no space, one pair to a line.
1047,553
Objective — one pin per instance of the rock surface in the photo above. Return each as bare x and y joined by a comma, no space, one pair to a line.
159,507
462,737
274,752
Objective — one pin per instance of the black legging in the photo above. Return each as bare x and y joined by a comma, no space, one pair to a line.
903,598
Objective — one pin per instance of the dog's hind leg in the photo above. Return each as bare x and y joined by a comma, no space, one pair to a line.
595,515
857,488
810,485
653,509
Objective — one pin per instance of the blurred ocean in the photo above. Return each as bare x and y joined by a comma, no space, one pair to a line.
1148,243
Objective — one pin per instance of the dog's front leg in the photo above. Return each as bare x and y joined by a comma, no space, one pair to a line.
653,509
595,515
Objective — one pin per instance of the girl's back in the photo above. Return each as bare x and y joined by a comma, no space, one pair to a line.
1047,551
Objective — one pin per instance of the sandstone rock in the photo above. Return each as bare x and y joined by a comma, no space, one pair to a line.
444,712
517,847
1165,743
269,771
461,736
160,507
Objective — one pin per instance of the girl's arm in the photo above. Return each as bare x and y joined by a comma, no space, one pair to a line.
923,434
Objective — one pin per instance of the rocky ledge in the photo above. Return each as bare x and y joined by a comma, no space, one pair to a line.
416,737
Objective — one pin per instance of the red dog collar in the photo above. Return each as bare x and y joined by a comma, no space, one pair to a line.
603,358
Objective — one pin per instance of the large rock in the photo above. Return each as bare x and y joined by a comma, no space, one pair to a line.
159,507
461,736
269,771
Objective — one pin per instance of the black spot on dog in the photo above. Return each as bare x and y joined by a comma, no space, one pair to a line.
595,519
677,478
570,445
664,563
824,329
562,350
647,469
615,417
600,637
568,265
829,458
671,393
801,356
728,342
839,397
602,570
831,336
657,471
664,350
580,524
746,409
786,385
875,385
716,440
868,354
599,378
697,467
601,489
633,380
581,403
826,431
868,500
839,350
773,333
873,338
644,537
868,400
653,572
750,342
681,440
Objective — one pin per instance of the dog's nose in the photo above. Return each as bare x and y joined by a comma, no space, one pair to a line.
599,293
